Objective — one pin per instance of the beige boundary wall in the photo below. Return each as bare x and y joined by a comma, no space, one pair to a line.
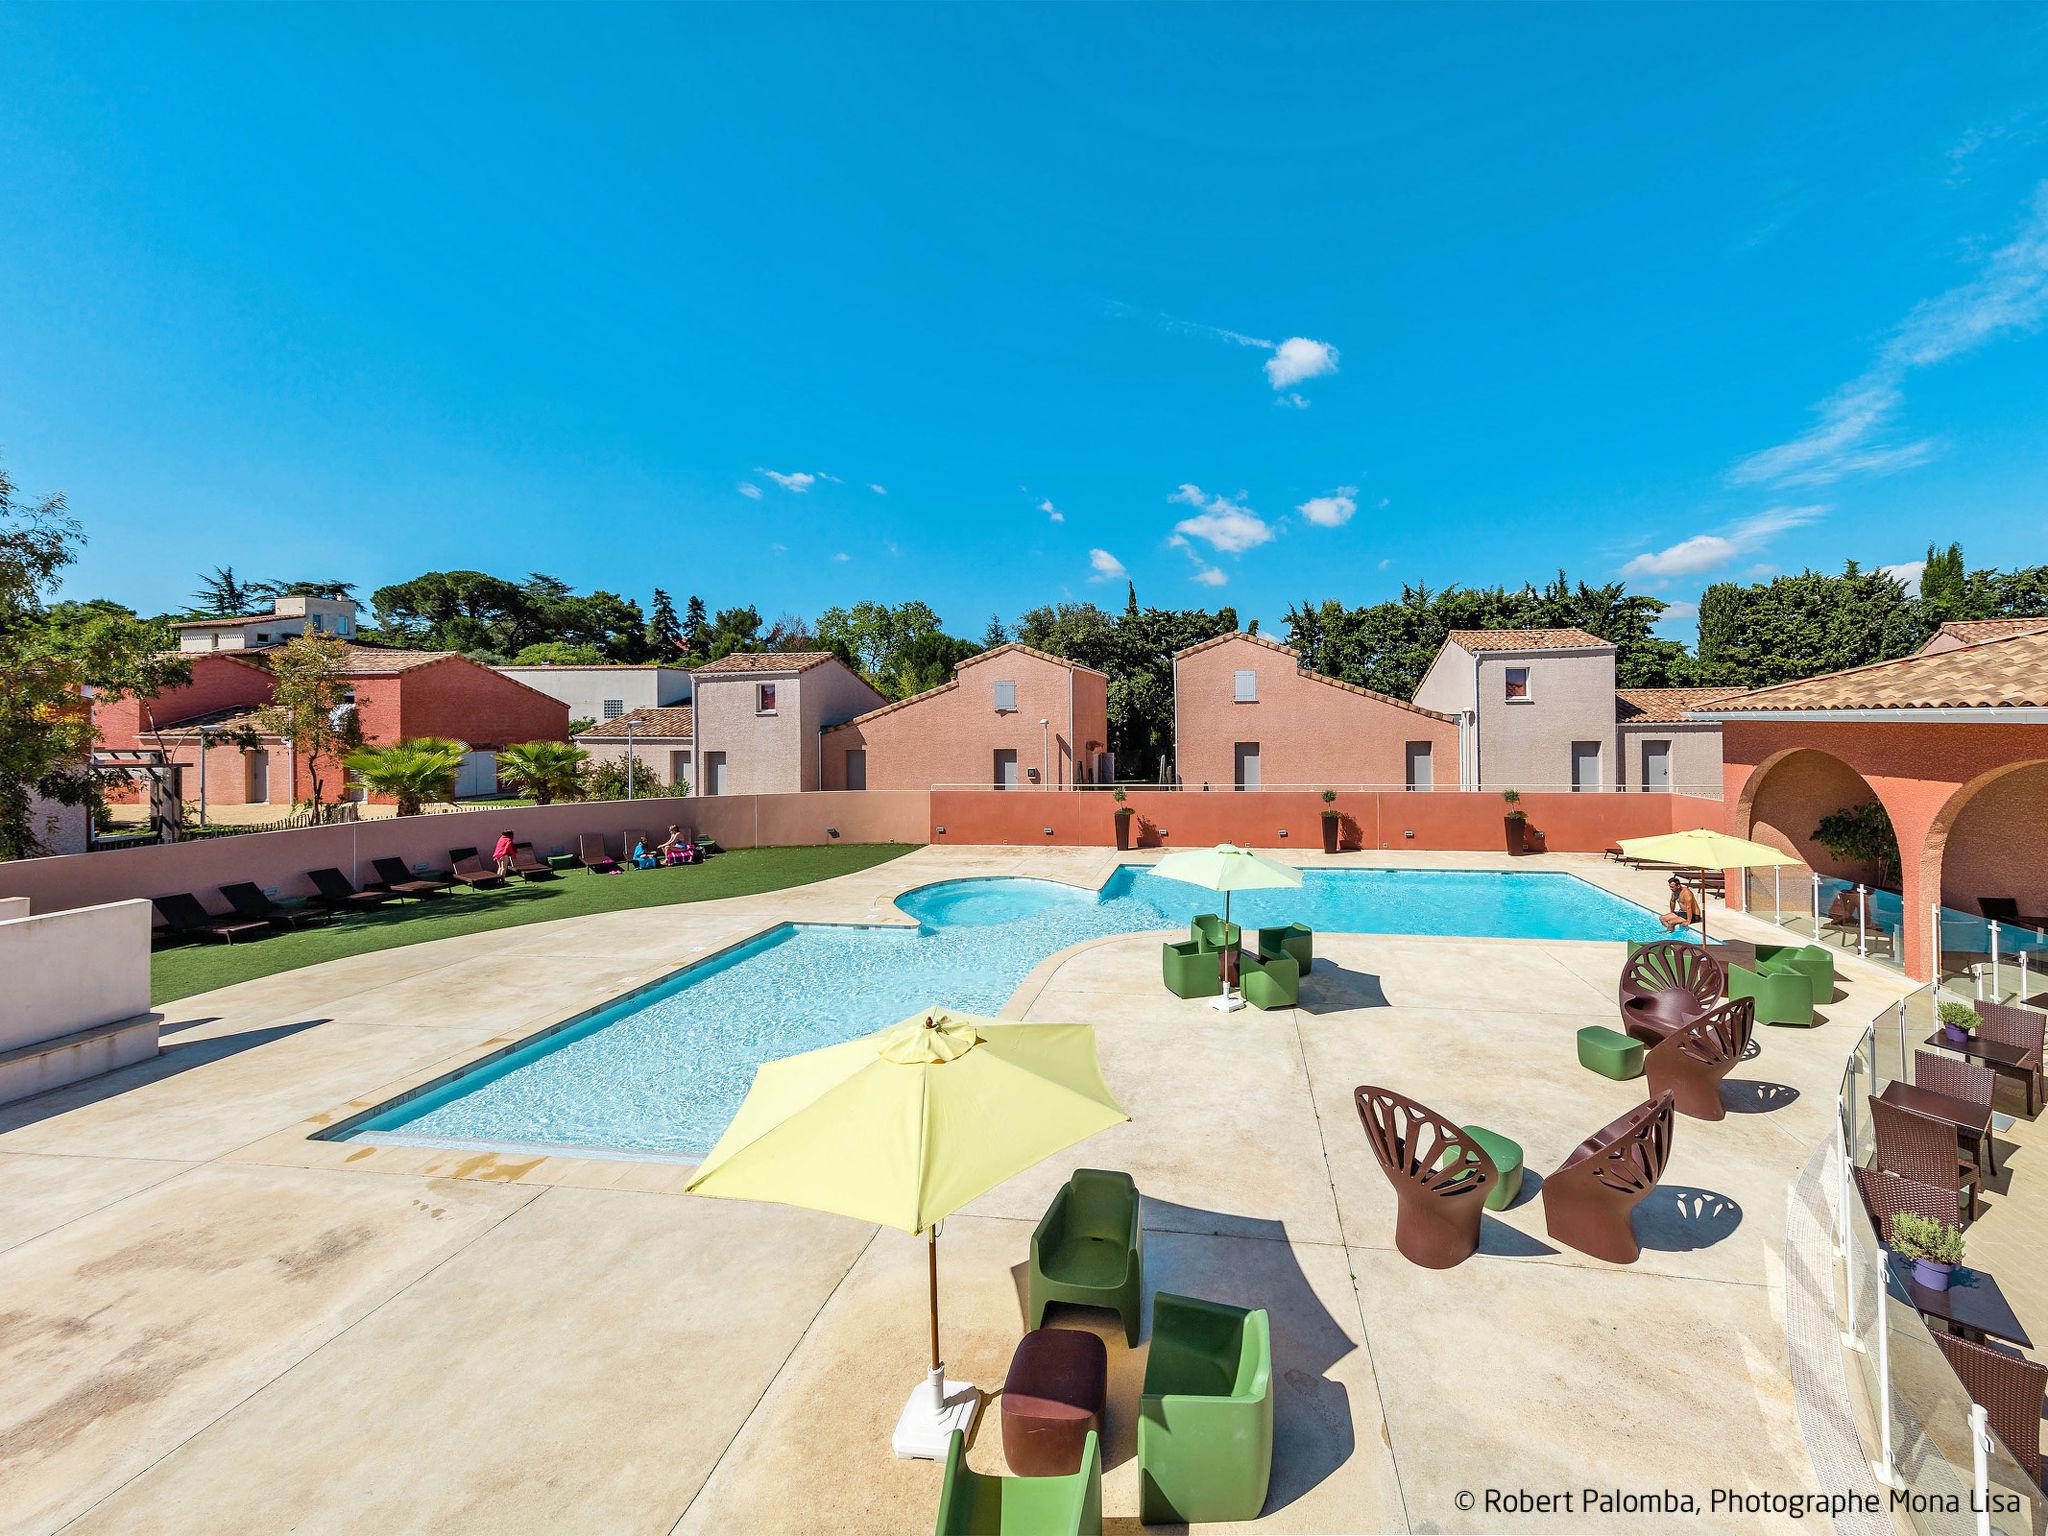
76,995
278,861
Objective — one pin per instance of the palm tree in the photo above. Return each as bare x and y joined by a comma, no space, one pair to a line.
413,771
547,770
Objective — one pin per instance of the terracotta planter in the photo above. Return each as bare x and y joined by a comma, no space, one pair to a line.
1931,1275
1331,828
1123,828
1517,834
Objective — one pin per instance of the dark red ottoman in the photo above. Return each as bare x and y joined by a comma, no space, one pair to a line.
1052,1397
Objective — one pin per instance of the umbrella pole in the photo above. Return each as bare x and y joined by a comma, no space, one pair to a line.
932,1269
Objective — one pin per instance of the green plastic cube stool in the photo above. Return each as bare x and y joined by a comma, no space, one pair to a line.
1610,1053
1507,1161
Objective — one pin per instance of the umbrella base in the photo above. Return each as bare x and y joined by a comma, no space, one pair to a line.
1229,1002
925,1427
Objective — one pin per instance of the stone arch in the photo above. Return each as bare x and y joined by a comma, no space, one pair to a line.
1988,832
1787,794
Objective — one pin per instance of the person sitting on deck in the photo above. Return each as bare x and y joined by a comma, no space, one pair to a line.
1685,907
642,859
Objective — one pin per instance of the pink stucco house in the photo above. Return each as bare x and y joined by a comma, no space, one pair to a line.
759,719
1010,718
1247,715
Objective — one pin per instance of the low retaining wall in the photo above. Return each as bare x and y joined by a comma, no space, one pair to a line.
1438,820
278,861
67,971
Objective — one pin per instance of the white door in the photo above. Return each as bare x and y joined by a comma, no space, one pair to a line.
259,778
1247,765
679,767
1421,770
479,775
1657,767
1006,768
857,768
714,773
1585,767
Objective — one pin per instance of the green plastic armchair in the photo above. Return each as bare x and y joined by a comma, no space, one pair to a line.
1089,1249
1190,970
1296,939
1781,997
1213,934
1271,981
979,1504
1810,960
1205,1422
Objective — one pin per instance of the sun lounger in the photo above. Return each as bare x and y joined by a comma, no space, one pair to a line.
527,866
397,877
185,917
590,852
471,870
248,900
332,889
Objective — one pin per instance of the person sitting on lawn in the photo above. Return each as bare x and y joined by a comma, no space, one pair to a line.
642,859
1685,908
504,854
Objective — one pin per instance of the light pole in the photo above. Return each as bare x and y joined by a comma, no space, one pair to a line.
629,759
202,773
1045,755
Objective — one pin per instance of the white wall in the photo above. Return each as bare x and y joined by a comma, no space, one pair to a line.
584,689
71,970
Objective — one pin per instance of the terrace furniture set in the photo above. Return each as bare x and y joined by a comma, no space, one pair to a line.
1212,958
1205,1413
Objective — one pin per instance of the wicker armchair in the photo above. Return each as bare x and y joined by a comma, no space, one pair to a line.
1667,985
1441,1177
1915,1147
1886,1194
2022,1029
1963,1080
1588,1201
1691,1062
2010,1386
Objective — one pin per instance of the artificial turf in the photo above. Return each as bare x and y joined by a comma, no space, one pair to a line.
190,968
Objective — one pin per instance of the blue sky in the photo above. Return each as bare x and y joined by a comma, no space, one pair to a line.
1252,304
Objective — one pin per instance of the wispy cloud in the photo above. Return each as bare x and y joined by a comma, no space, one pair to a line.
1678,613
1294,361
798,482
1209,576
1052,512
1384,564
1298,359
879,490
2009,293
1333,510
1710,551
1104,566
750,490
841,558
1223,524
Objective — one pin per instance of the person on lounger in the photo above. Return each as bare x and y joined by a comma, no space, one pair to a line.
670,848
504,853
1684,910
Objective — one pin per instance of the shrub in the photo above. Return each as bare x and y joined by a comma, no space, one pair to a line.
1513,797
1922,1237
1862,834
1960,1016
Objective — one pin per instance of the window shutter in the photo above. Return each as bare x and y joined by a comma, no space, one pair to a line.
1247,686
1006,696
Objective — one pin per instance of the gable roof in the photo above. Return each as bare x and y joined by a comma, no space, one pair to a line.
1019,648
953,682
1665,706
1977,631
1312,676
1994,674
768,661
231,620
674,721
1526,640
375,661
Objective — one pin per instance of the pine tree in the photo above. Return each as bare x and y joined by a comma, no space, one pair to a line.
995,634
1131,600
220,596
664,634
696,629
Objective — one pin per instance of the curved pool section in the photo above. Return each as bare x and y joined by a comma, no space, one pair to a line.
659,1073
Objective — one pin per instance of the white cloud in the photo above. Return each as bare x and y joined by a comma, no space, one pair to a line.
1052,511
780,549
1385,563
1763,570
1675,613
1710,551
1106,567
1906,574
1209,576
1223,524
1297,358
830,479
1333,510
750,490
841,558
799,482
879,490
1292,401
2009,293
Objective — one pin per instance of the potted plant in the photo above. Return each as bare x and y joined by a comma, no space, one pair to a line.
1517,821
1958,1022
1332,821
1935,1248
1123,819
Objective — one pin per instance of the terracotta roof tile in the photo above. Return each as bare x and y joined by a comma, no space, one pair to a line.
234,619
769,661
1236,634
365,660
663,720
1018,647
1524,639
1660,706
1995,674
1977,631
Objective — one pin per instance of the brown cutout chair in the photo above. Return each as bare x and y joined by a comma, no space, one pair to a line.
1587,1202
1915,1147
1666,985
1441,1177
2010,1386
1886,1194
1963,1080
2022,1029
1692,1061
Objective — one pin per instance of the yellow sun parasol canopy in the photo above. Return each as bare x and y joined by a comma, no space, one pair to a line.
908,1124
1703,848
1226,868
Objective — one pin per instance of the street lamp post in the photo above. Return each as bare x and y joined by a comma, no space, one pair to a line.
202,773
629,759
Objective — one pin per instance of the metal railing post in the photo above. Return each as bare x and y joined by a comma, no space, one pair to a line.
1905,1071
1934,965
1816,908
1995,993
1980,1466
1862,922
1778,895
1886,1473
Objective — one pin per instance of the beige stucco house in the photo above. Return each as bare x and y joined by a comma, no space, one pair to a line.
1660,747
660,739
605,694
1957,633
759,719
289,617
1538,707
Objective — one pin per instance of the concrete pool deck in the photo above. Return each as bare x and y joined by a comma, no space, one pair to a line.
210,1322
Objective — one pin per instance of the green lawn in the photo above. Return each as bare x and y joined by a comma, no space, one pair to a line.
190,968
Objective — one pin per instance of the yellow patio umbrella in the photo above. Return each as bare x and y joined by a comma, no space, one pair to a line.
1703,849
1227,868
905,1126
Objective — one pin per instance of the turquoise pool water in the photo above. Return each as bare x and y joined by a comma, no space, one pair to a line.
660,1073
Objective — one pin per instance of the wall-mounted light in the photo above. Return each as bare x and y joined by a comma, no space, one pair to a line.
831,831
1408,834
941,831
1283,831
1048,831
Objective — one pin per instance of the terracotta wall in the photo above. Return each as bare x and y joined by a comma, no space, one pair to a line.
1280,818
459,699
278,861
1998,845
218,683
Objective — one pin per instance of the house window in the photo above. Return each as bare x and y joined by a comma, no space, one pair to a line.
314,620
341,626
613,708
263,637
1006,697
1517,683
1246,689
764,698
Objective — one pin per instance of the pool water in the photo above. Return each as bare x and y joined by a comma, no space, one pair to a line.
661,1072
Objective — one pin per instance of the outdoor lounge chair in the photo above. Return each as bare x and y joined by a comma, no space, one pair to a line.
591,855
1089,1249
2010,1386
1999,909
1441,1176
1190,970
1213,934
1691,1062
1811,960
982,1504
1963,1080
470,869
1915,1147
1844,917
397,877
1296,939
248,900
527,866
1886,1194
1588,1201
1205,1418
187,919
1271,981
2022,1030
1781,996
1667,985
332,889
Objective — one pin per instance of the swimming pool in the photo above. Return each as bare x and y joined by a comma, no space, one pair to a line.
659,1073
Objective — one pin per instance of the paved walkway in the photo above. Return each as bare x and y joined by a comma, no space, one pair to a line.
208,1322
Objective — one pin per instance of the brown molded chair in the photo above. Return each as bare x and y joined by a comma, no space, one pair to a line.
2010,1386
1441,1177
1915,1147
2022,1029
1886,1194
1692,1061
1587,1202
1963,1080
1667,985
